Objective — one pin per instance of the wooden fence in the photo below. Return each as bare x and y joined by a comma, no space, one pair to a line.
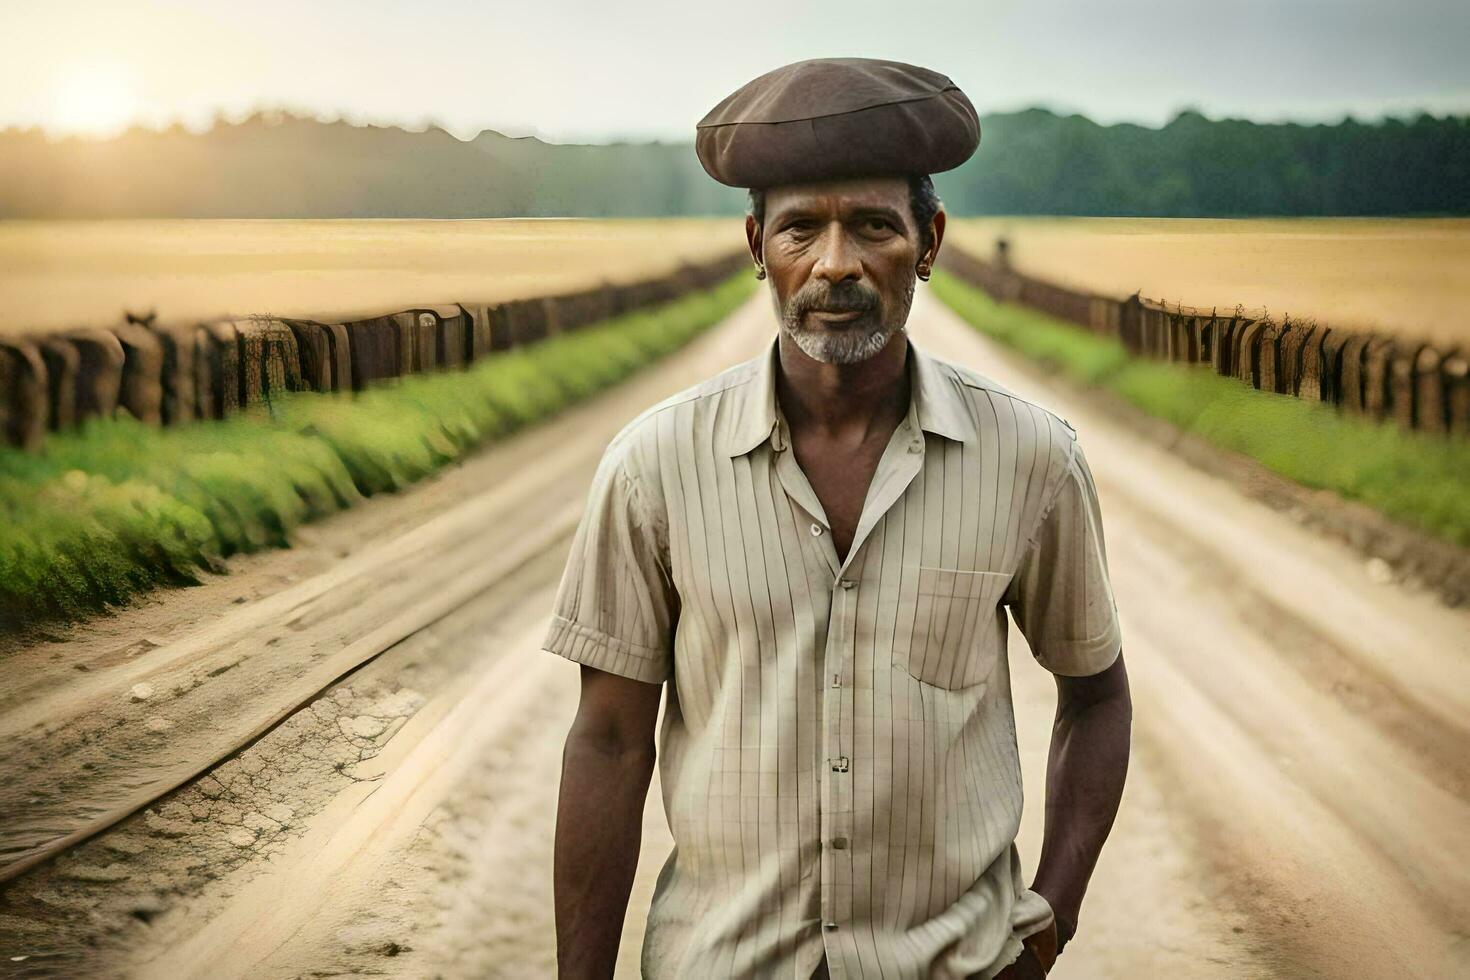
1420,386
168,373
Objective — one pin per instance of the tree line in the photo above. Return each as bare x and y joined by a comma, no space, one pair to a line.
1029,162
1037,162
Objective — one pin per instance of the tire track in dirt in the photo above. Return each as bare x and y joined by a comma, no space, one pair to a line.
1309,724
74,913
1266,829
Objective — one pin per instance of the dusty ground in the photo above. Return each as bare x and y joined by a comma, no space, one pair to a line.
1297,805
1409,276
56,274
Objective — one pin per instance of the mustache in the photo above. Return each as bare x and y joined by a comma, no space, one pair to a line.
849,297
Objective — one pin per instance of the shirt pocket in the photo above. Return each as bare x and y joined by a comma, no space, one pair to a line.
956,632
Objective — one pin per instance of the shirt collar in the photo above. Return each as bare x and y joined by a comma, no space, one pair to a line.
933,388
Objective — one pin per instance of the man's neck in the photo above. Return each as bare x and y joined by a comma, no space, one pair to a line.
845,403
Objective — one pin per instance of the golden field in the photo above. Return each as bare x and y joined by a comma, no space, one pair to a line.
57,274
1410,276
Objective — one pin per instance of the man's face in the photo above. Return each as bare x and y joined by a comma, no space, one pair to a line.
840,257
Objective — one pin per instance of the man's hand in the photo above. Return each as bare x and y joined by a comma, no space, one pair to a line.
1038,953
606,768
1043,945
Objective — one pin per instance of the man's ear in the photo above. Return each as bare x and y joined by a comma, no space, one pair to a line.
754,239
932,254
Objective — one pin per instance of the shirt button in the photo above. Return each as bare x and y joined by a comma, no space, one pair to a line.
846,583
839,843
816,529
829,926
916,447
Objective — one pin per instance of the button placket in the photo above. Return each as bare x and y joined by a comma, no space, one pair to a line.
799,489
837,723
896,470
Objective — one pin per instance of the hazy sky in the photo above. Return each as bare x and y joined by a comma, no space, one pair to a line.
571,70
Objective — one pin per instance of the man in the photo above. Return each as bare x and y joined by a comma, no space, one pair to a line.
811,551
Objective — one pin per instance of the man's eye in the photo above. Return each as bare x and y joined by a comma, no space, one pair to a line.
877,224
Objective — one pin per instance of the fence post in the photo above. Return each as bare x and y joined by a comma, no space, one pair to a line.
314,348
1243,354
177,373
1309,380
1377,352
217,356
23,394
1429,395
1332,341
1352,373
99,372
62,365
1294,337
1455,371
1225,345
454,336
1268,359
1130,316
1401,386
142,380
1209,341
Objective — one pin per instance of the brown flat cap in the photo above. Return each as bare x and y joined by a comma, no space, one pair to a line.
830,118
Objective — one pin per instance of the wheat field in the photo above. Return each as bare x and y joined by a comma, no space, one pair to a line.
1410,276
59,274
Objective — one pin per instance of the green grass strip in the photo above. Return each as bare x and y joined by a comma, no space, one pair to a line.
116,507
1417,479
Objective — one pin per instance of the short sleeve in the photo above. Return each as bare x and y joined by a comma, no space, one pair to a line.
615,607
1061,596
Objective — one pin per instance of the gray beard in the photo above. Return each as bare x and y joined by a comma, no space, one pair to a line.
845,347
842,346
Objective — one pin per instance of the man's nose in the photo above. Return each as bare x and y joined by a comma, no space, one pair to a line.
837,259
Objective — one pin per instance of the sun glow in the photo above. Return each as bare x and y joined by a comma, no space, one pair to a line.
93,99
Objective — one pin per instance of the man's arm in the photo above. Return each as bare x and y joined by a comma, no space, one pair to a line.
1084,784
606,767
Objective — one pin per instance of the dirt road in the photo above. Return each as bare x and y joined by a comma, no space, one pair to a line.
1297,806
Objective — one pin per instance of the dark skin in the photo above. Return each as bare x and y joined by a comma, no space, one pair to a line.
606,768
1085,768
853,235
854,241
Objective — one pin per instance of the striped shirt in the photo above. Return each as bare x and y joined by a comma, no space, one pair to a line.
838,751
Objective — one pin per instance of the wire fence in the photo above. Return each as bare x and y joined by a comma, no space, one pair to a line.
1413,382
171,373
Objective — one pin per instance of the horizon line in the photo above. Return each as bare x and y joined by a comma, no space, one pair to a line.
276,114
